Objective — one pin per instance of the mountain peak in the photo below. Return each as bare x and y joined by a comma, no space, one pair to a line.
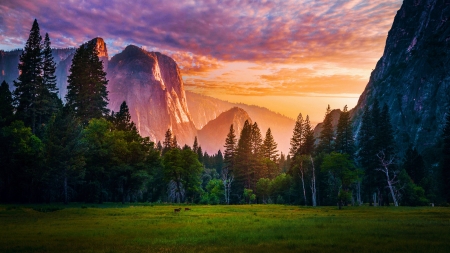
212,136
100,45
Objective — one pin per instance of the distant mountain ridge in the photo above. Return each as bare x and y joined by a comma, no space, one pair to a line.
212,136
204,109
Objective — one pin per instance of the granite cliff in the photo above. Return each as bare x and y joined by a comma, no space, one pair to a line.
413,76
152,86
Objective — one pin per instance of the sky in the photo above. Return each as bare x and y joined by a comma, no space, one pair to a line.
291,56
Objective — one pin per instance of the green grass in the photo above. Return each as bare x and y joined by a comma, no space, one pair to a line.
246,228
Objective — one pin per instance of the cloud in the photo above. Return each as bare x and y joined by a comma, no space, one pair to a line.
284,82
204,36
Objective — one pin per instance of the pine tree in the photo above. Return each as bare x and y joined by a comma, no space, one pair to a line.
86,91
30,78
47,99
6,105
445,162
270,147
64,152
122,119
296,140
167,144
195,146
344,134
307,147
174,142
230,149
366,155
257,167
327,133
414,165
243,162
385,133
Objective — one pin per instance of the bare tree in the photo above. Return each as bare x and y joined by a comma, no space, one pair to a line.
313,183
227,179
301,174
385,163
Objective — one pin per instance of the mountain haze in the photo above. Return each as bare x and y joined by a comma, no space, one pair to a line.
212,136
205,108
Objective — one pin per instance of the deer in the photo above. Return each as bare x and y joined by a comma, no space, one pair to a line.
187,209
177,210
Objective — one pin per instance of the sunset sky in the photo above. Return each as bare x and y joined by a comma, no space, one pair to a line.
289,56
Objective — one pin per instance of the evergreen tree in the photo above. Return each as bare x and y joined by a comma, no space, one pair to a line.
159,147
64,154
230,149
167,144
307,146
174,142
385,133
195,146
86,91
6,105
270,147
327,133
218,162
344,134
200,154
47,100
445,163
30,81
296,140
414,165
243,162
366,156
122,119
257,167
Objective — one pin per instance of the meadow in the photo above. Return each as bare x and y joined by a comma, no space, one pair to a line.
240,228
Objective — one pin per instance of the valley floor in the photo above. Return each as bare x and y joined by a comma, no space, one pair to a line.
242,228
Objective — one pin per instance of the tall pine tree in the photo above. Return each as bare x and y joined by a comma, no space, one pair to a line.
307,147
230,150
86,91
344,134
327,134
30,81
296,140
47,100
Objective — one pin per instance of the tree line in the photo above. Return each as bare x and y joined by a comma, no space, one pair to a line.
80,151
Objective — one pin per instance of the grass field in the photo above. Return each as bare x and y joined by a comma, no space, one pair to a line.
244,228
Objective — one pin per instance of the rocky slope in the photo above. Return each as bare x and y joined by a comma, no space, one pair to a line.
413,75
152,86
212,136
335,115
204,108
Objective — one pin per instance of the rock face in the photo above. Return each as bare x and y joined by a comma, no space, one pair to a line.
413,75
152,86
212,136
335,115
204,109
